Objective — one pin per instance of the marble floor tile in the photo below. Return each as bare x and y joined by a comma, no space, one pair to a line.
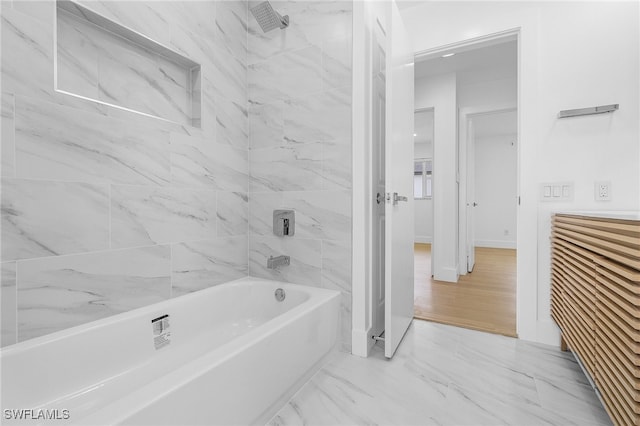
443,375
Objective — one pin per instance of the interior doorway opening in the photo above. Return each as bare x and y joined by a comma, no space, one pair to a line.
481,294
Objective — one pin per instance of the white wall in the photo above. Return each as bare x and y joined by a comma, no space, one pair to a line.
439,92
423,224
495,191
563,64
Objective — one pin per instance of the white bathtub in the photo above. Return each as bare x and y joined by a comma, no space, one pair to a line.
235,356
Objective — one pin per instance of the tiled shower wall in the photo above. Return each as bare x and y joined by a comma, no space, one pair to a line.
300,146
105,210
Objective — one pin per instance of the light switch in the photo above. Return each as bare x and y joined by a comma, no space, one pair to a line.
547,191
556,191
566,191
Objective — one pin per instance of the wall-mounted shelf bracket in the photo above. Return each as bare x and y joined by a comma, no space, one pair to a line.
588,111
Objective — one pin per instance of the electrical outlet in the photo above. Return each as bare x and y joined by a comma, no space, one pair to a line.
603,191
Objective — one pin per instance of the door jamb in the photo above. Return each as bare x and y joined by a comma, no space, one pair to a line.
466,114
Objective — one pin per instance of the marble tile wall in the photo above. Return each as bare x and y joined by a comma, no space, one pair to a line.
105,210
299,88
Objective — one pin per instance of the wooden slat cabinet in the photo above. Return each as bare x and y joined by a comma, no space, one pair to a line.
595,300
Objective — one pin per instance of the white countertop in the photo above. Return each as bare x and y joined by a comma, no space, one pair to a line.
606,214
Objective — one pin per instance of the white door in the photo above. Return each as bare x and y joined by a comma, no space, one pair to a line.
399,209
471,196
378,176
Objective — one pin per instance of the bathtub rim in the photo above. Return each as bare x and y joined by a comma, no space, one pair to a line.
29,344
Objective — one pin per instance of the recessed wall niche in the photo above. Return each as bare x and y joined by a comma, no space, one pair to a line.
101,60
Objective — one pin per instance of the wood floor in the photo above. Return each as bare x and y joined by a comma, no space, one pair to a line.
482,300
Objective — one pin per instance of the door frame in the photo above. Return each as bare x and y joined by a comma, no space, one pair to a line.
471,44
365,15
465,115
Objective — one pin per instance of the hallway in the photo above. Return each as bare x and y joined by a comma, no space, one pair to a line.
484,300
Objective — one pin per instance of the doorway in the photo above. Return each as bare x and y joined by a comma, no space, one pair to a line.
483,293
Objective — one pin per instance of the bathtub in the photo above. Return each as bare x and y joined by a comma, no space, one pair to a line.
230,354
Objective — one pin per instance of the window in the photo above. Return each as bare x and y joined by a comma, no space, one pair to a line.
422,178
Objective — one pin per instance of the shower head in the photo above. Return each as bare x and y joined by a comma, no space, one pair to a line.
268,18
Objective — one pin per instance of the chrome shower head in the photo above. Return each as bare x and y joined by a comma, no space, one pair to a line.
268,18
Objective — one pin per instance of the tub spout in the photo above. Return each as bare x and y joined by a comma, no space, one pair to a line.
274,262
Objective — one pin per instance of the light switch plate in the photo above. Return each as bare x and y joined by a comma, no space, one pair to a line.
555,192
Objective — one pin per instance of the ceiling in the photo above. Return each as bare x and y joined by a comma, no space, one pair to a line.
487,63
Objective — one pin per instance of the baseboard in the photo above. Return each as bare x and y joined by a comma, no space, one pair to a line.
496,244
422,239
361,342
447,274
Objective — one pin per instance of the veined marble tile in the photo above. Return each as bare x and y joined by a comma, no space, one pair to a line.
336,275
208,100
232,213
293,74
131,77
406,389
232,124
231,27
337,165
322,20
306,261
27,55
202,264
229,76
266,125
335,115
300,71
261,207
325,116
56,293
144,215
56,142
263,82
8,139
150,18
548,364
8,309
336,62
193,30
286,168
41,10
336,265
41,218
321,214
574,399
134,119
301,120
349,391
203,162
77,70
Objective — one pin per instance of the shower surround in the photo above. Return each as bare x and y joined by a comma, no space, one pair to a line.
105,210
299,88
